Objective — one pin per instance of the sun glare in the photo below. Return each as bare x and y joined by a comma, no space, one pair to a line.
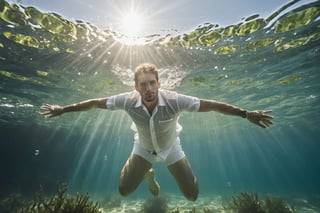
132,24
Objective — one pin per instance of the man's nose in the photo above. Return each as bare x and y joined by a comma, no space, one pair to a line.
148,86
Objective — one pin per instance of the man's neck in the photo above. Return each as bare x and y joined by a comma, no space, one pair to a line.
150,105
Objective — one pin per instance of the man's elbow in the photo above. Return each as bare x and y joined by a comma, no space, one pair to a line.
101,103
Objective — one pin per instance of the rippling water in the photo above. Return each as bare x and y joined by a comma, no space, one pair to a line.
259,63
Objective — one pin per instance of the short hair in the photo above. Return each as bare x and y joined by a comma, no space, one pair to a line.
145,68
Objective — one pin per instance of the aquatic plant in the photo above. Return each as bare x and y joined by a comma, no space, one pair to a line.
11,203
246,203
250,203
155,205
275,204
61,203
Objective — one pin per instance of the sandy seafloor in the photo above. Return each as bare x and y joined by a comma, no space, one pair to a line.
206,204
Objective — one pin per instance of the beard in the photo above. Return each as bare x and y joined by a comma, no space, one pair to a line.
149,97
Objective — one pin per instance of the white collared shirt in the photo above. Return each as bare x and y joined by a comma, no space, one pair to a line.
160,130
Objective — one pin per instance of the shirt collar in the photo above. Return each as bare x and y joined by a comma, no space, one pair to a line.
161,101
139,102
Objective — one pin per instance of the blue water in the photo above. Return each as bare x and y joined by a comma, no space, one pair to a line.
228,154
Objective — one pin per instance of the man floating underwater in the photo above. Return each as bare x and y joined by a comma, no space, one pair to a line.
155,113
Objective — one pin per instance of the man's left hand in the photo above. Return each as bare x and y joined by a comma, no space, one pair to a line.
260,118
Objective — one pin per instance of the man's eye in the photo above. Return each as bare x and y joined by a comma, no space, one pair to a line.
143,85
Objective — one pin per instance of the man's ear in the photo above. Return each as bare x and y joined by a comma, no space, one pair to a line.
136,87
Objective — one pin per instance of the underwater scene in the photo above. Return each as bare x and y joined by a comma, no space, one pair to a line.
72,163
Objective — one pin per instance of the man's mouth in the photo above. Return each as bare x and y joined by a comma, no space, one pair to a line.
149,94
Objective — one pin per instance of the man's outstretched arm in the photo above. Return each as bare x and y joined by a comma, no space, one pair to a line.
258,117
50,111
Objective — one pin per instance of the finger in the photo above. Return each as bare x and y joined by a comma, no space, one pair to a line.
265,113
266,124
261,124
268,117
269,122
49,116
45,107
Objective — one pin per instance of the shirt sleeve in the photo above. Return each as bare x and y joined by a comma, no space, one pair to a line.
188,103
117,102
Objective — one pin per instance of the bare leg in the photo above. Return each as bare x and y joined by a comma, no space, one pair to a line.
132,174
182,172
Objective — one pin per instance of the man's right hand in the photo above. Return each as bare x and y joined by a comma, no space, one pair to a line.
51,110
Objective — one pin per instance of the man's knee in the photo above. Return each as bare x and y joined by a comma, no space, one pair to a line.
188,184
125,189
191,192
132,174
191,196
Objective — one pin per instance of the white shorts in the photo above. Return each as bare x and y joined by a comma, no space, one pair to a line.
168,156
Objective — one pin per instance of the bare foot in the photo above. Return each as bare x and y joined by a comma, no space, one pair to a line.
153,185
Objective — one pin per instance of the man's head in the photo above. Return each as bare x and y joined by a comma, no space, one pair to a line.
145,68
147,83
